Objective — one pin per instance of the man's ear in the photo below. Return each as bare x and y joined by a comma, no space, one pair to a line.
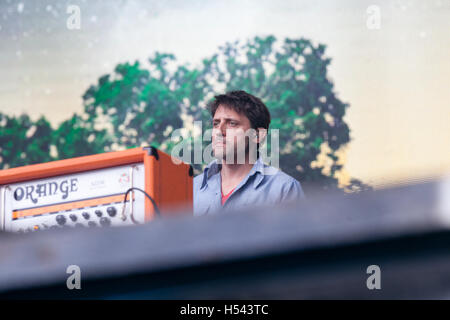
261,134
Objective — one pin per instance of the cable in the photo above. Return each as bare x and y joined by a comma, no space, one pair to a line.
146,194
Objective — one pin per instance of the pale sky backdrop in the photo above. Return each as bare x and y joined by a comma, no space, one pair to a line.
395,78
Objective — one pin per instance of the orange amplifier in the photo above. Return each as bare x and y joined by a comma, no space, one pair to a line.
110,189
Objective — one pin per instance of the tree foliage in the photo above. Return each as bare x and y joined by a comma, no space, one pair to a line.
142,104
23,141
75,138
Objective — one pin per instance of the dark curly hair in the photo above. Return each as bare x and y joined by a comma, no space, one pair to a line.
244,103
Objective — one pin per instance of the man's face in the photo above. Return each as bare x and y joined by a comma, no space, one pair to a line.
229,134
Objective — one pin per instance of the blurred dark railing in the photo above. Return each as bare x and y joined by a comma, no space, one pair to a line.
317,249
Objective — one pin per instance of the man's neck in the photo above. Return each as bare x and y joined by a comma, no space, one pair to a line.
235,171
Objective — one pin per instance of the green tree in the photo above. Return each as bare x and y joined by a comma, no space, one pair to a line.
144,106
23,141
137,105
76,138
292,80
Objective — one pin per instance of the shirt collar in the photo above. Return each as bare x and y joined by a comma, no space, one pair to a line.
215,167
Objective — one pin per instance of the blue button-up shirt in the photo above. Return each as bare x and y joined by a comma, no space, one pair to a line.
263,185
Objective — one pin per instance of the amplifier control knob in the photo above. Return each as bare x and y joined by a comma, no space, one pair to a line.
73,217
85,215
99,213
105,222
111,211
92,224
60,219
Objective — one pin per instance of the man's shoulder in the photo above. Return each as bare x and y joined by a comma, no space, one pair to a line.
285,185
278,175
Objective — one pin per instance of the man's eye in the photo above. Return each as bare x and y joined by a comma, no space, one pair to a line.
232,123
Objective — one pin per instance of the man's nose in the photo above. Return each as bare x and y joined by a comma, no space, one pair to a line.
222,129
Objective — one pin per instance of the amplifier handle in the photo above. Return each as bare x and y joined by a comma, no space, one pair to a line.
124,217
132,194
3,206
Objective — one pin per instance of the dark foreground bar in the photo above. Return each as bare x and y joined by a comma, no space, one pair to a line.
318,249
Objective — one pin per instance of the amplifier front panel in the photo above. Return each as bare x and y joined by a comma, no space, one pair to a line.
88,199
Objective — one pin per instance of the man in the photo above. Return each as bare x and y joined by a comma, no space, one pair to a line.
236,179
